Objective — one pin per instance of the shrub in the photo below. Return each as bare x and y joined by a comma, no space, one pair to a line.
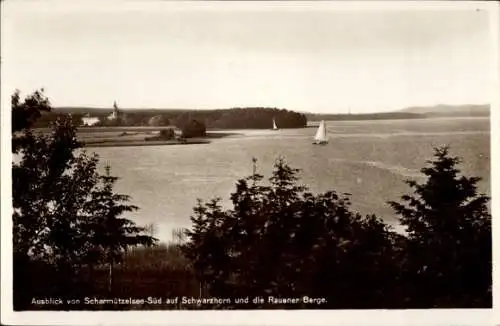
193,129
283,241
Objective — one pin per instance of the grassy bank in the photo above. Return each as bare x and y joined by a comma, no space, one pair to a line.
136,136
112,143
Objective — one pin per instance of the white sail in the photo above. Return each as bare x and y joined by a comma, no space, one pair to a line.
320,136
274,125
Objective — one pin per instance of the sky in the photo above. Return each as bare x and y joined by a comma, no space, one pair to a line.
309,58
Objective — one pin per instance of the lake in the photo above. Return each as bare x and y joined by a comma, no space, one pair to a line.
368,159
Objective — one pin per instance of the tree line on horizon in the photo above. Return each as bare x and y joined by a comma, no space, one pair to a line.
278,239
234,118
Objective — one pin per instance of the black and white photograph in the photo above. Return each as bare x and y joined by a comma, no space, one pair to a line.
259,156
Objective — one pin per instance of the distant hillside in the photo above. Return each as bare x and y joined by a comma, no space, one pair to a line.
416,112
364,116
451,110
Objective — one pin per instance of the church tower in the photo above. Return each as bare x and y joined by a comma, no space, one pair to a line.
114,114
115,110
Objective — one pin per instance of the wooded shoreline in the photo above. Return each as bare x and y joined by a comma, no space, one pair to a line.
92,137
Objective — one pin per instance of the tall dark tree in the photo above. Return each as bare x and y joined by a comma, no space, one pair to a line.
42,192
208,249
449,237
111,234
65,212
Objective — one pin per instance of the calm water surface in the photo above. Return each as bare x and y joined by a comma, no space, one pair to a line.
369,159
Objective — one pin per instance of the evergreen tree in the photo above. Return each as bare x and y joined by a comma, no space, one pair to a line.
111,234
449,237
283,241
207,248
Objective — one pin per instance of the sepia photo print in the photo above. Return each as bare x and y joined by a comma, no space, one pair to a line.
269,156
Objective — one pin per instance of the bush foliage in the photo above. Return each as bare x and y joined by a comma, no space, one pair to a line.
194,128
283,241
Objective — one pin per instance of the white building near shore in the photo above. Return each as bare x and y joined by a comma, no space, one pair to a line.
87,120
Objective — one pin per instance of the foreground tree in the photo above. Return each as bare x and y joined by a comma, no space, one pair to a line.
65,213
448,254
280,240
111,234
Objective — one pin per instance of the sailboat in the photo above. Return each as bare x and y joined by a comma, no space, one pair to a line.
274,125
320,138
